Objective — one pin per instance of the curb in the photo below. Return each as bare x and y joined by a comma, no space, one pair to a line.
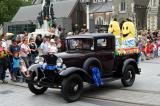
10,82
18,84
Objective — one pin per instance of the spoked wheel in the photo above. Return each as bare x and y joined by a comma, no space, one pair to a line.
128,76
35,87
72,87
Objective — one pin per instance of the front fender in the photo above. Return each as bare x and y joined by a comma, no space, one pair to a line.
131,62
36,69
74,70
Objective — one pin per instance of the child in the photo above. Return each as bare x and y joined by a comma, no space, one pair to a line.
23,69
52,47
16,66
148,50
58,43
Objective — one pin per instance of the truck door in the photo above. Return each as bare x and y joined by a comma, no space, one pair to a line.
105,53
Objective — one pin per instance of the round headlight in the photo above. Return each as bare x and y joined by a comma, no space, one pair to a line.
39,60
59,62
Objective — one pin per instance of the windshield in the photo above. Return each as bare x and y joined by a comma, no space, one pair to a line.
80,44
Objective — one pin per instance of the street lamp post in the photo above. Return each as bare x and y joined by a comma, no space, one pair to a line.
87,11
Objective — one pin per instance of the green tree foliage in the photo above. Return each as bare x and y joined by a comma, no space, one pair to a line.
8,8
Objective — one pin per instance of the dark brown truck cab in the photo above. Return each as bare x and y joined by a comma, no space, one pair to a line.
90,58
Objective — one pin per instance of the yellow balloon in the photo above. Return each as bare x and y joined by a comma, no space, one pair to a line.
128,30
114,28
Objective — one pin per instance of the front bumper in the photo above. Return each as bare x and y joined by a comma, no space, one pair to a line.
46,78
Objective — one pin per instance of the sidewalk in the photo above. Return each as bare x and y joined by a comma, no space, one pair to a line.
154,61
24,84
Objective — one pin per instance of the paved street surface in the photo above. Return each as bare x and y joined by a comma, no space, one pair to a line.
19,96
144,92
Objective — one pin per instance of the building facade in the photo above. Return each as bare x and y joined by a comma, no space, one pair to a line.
26,17
152,16
40,1
144,13
136,10
159,16
141,12
123,9
140,9
103,11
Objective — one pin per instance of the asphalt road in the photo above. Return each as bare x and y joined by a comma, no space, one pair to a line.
144,92
18,96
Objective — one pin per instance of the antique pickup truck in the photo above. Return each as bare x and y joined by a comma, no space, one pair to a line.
90,58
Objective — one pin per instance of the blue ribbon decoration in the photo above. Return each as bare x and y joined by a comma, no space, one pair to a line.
51,67
96,76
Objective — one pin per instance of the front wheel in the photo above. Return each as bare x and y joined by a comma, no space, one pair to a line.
35,87
128,76
72,87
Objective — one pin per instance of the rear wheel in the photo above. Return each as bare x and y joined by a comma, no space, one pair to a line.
72,87
128,76
35,87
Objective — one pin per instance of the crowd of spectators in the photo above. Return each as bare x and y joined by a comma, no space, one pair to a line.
149,44
19,52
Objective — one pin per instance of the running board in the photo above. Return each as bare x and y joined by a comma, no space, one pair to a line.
50,85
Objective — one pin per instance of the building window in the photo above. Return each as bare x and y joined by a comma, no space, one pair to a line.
154,3
83,1
122,7
101,0
100,21
17,29
96,1
91,15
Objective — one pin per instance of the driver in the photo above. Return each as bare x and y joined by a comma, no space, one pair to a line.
87,44
79,44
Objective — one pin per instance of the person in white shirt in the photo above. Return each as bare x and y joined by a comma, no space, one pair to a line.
52,47
45,45
25,51
4,42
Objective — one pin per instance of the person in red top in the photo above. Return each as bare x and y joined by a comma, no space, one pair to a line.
148,49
